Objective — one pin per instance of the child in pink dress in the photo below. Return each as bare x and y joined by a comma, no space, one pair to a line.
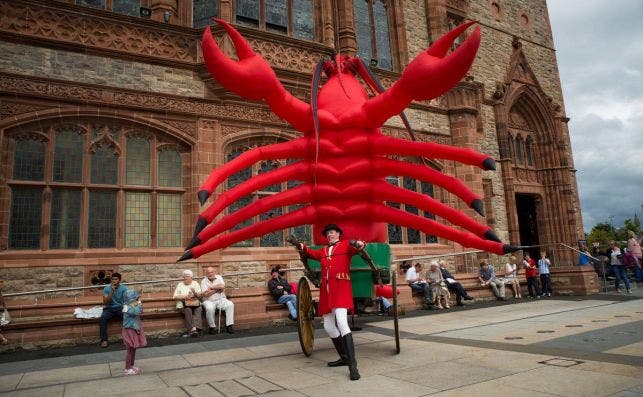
133,335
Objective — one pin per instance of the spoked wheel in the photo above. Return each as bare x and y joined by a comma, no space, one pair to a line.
396,314
305,317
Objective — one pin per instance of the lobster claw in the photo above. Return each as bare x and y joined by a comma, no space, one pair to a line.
433,72
251,77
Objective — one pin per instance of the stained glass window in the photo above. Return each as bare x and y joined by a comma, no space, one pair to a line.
203,11
454,21
29,160
65,219
274,239
104,165
137,219
427,189
363,30
302,14
300,232
169,168
137,161
92,3
240,176
267,166
287,17
25,216
276,14
413,235
382,36
236,206
248,13
394,231
169,209
372,31
68,156
127,7
102,220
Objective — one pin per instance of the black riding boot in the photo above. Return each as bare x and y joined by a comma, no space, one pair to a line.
339,346
350,355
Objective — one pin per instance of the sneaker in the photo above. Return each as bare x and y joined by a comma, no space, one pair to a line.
629,291
618,291
538,296
136,370
549,294
212,331
468,298
104,343
129,371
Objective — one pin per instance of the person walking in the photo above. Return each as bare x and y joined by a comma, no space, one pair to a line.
620,271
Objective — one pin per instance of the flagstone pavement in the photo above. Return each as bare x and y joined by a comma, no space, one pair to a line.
549,347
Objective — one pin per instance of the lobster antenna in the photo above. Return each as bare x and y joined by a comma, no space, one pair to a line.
338,64
313,104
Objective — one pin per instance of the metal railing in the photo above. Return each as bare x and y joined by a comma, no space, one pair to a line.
463,262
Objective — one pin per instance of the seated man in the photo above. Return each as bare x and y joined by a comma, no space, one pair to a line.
418,284
459,290
280,290
113,298
213,294
487,277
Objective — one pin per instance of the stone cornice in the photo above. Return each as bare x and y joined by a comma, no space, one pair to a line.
86,94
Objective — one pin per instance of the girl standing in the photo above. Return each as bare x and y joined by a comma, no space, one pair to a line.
133,335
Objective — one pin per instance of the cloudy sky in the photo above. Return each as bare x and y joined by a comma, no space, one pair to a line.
599,46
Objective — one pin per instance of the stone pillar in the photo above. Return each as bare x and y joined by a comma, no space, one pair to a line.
346,27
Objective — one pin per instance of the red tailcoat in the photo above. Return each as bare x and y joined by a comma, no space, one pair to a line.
335,290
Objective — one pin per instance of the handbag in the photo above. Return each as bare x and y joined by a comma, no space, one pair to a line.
192,302
5,318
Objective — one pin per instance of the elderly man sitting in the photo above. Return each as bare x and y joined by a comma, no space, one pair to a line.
212,289
487,277
186,295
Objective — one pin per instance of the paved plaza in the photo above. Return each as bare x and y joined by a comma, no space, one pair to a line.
550,347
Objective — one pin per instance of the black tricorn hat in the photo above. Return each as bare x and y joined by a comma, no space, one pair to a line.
331,226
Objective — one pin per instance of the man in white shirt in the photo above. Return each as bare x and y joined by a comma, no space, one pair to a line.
418,284
212,287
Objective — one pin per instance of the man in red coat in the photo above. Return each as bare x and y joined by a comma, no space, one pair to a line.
336,293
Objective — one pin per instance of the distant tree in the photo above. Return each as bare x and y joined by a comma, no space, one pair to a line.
601,233
629,224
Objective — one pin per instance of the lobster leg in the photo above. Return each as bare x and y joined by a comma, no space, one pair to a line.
300,217
385,192
384,145
284,150
383,213
298,171
385,167
300,194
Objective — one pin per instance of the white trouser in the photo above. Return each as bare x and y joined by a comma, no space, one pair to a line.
221,304
336,323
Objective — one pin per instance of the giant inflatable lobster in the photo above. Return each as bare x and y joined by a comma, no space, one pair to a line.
342,156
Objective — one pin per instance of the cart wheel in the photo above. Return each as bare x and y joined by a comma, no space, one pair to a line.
305,317
396,314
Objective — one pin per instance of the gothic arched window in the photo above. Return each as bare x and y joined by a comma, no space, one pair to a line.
126,7
81,196
373,32
289,17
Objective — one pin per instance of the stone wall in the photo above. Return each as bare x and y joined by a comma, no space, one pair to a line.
84,68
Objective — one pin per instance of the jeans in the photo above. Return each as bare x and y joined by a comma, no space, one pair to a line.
290,301
424,289
621,274
108,314
638,271
532,287
545,283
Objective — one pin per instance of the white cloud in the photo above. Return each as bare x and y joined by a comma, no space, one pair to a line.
599,46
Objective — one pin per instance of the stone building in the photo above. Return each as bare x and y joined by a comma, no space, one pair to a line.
109,123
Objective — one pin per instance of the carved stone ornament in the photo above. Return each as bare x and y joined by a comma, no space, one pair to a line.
501,90
515,43
8,109
104,32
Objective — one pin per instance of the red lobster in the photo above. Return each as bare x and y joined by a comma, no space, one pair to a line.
343,163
